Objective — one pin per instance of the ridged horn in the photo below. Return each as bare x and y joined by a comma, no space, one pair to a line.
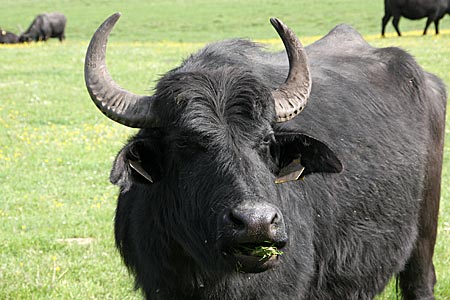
291,97
115,102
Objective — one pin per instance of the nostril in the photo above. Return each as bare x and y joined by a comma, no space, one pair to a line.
235,220
254,222
275,219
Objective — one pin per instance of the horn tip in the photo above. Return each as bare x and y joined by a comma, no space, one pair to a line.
275,22
115,17
279,26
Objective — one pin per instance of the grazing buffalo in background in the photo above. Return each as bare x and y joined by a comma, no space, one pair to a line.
210,206
45,26
7,37
433,10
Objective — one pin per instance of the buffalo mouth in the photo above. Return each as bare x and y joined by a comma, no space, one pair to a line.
256,257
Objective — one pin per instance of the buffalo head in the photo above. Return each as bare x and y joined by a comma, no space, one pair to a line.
199,178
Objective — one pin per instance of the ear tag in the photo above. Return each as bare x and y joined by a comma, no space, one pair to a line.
138,168
3,32
291,172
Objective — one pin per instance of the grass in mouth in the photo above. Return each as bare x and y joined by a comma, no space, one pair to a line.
262,251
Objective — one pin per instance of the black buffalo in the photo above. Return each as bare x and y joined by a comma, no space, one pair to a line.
433,10
224,175
45,26
7,37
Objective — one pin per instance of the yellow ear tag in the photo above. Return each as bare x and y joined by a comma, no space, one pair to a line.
291,172
138,168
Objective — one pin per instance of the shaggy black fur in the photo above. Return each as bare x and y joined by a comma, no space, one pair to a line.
371,138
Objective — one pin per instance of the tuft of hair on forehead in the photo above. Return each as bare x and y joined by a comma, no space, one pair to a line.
228,100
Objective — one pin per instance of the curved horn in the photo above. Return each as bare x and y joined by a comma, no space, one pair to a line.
292,96
116,103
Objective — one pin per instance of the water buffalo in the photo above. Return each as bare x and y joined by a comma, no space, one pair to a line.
229,192
7,37
433,10
45,26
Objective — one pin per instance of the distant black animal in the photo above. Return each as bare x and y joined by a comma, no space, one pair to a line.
433,10
45,26
225,174
7,37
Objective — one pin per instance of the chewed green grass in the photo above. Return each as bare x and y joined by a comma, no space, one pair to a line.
263,251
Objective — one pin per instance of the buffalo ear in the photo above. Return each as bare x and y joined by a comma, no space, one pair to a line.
300,155
136,163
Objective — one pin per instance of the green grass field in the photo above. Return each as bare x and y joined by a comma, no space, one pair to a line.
56,149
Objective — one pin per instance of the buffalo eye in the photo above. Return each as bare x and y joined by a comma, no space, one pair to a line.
269,151
188,146
268,139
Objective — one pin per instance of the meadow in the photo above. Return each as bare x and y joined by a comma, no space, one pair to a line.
56,203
